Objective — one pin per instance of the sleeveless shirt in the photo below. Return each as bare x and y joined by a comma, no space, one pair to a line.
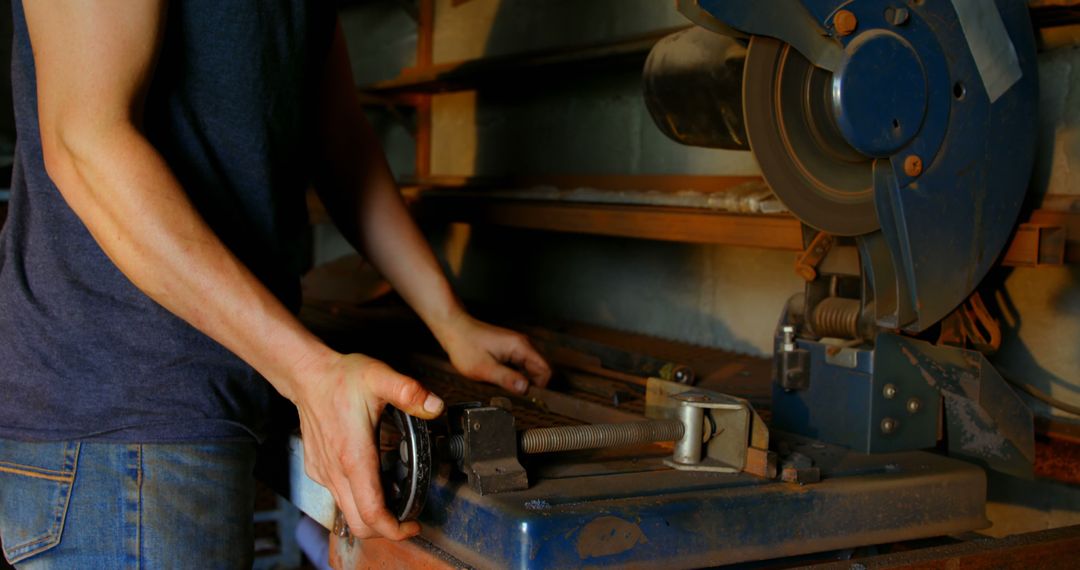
83,353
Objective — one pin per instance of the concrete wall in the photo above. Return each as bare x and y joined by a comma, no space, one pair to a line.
708,295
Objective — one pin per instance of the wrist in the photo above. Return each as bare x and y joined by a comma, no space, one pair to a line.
446,324
315,362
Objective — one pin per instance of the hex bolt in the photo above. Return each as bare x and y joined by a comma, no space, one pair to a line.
913,165
889,425
845,23
897,16
914,405
889,391
789,338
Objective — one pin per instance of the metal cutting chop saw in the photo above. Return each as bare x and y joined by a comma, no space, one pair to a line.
902,134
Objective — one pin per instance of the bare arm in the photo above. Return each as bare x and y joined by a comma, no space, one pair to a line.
94,59
359,191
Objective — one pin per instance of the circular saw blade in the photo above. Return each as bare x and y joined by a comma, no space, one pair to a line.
787,103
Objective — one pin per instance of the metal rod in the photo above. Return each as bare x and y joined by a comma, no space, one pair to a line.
595,436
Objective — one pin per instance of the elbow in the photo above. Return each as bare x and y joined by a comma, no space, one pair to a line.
75,149
57,144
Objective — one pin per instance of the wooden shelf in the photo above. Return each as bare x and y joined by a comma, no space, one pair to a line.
690,225
1048,235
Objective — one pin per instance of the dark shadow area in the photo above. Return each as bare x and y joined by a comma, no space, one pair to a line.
1017,360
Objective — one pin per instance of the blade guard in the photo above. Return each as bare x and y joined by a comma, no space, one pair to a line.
972,136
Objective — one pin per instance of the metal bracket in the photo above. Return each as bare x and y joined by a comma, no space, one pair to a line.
490,451
806,266
720,429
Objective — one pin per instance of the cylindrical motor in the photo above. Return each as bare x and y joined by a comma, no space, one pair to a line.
693,89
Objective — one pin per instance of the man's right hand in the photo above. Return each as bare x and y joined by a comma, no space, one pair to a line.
340,404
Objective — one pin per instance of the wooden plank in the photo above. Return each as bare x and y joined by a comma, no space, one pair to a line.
1033,245
1070,221
781,232
651,182
1036,245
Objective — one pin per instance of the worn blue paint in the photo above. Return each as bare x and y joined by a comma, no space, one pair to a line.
984,418
686,520
899,97
845,406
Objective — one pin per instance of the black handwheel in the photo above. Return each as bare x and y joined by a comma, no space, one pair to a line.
406,462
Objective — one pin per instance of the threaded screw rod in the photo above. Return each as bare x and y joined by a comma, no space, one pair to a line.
594,436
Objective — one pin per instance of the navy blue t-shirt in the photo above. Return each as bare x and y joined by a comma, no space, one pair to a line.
83,353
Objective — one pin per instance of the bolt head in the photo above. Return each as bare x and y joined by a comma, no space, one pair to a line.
889,391
845,22
914,405
889,425
897,16
913,165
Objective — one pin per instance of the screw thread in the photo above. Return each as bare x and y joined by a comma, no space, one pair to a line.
595,436
571,438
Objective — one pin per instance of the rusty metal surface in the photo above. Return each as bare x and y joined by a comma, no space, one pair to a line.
1057,459
723,371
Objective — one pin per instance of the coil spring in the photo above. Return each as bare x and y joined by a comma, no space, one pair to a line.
837,317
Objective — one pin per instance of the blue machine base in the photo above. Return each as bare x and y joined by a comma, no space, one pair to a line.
612,510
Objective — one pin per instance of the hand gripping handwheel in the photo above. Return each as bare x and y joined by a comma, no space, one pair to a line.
405,462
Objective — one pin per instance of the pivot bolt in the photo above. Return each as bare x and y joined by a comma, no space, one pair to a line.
889,425
889,391
913,165
914,405
897,16
845,23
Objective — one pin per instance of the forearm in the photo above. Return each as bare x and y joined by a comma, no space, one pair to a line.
124,192
365,203
358,189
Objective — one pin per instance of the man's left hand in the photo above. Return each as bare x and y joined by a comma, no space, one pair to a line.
488,353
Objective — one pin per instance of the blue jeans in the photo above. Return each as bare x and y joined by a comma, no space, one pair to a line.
107,505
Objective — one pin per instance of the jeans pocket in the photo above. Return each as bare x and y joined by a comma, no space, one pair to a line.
35,488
